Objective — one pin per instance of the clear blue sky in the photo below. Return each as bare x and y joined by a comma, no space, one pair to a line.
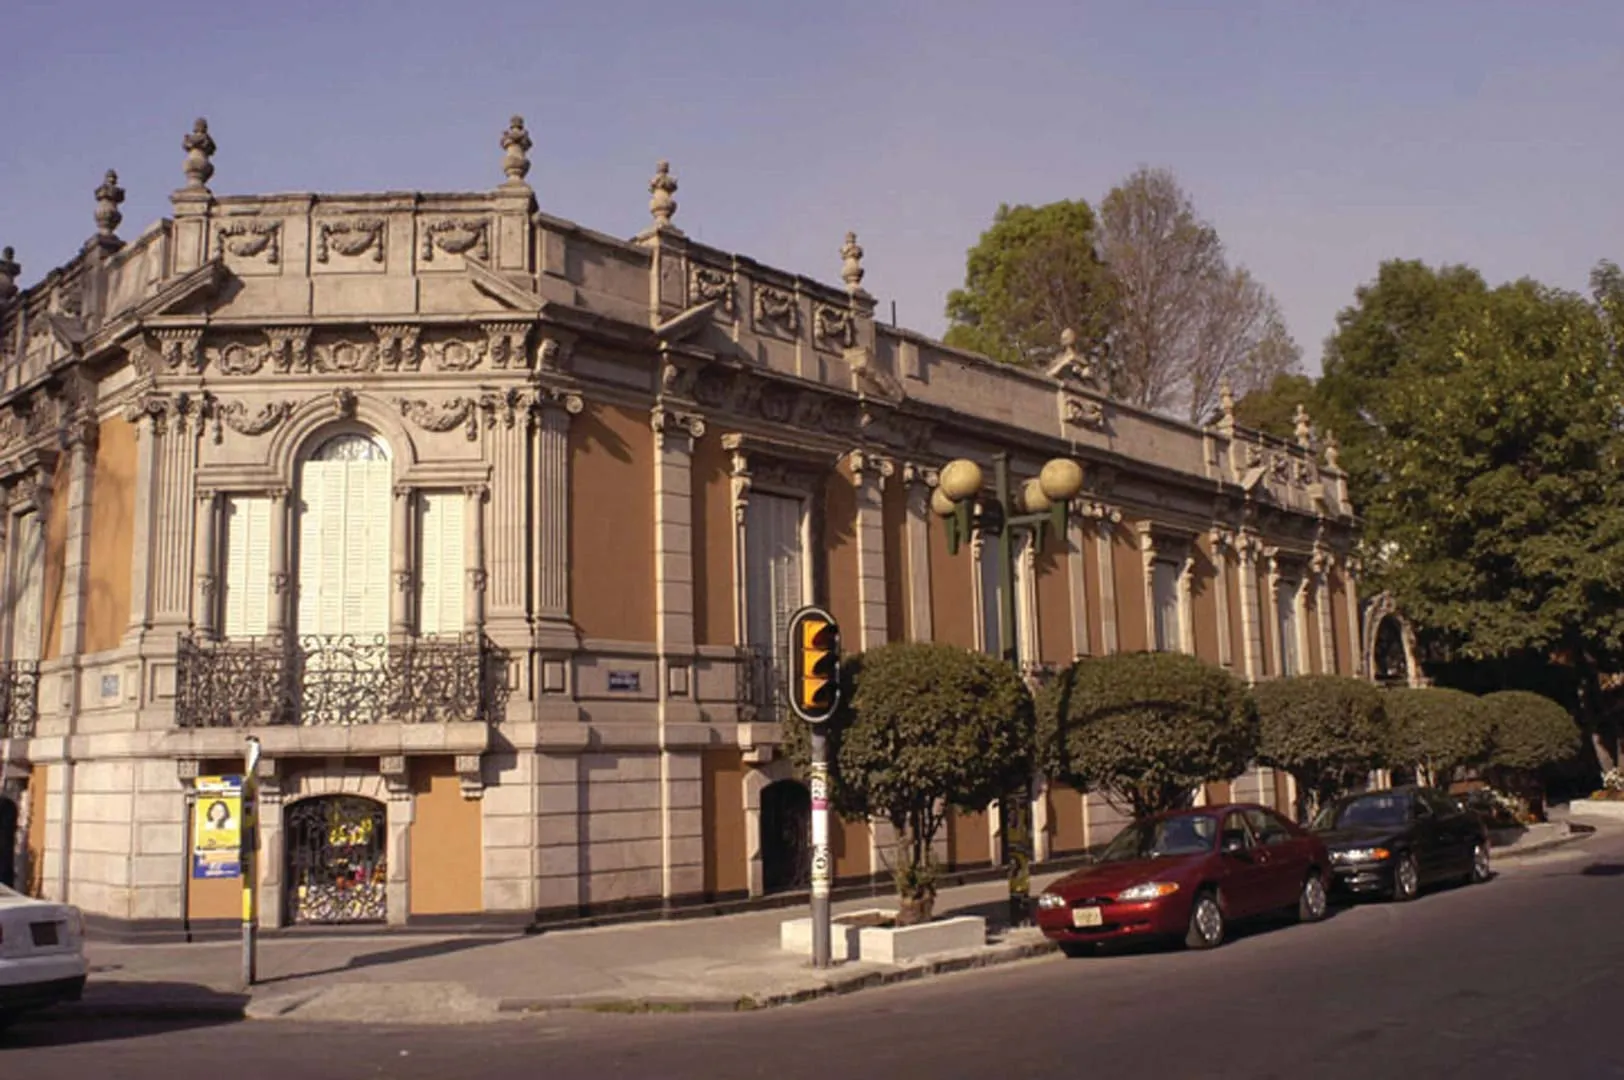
1319,137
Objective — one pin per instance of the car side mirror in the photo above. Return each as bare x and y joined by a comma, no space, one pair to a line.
1233,843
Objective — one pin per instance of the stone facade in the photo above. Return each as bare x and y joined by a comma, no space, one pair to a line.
486,520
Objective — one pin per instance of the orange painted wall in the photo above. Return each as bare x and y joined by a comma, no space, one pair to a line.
952,600
713,543
722,813
968,843
1053,589
848,842
1132,634
56,555
38,778
1065,819
840,554
212,898
447,867
895,508
1219,793
1204,595
112,536
612,523
1091,591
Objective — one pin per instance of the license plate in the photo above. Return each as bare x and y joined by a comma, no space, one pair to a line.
1087,916
44,933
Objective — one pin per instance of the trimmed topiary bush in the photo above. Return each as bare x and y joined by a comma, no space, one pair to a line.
1529,731
1441,732
1145,729
1327,731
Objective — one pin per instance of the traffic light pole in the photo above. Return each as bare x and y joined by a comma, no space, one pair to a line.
1017,803
821,867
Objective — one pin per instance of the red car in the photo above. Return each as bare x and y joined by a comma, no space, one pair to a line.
1188,874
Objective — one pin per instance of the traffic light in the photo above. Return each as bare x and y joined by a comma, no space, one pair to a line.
814,649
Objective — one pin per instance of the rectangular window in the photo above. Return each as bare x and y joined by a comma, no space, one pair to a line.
991,600
1164,588
1286,601
774,569
245,574
27,585
441,555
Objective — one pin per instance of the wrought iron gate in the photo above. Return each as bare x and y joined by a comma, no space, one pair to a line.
786,828
337,866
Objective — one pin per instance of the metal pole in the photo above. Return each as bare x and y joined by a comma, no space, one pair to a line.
186,858
248,856
821,868
1017,803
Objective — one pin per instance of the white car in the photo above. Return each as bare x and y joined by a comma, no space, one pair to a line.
42,954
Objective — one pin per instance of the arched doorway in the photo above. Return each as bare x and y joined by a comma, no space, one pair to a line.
786,836
342,592
337,860
8,841
1391,666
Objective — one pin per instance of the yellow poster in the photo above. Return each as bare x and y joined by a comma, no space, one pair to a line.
217,827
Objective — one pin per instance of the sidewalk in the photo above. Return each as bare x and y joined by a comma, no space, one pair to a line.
723,963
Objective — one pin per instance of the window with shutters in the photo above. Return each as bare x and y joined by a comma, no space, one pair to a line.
1164,590
775,568
990,600
1286,605
441,555
27,585
245,575
344,552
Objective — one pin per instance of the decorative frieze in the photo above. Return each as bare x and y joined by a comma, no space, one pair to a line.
895,429
248,239
179,349
344,357
350,237
833,327
236,358
777,309
504,343
668,421
1083,412
707,283
162,414
236,416
456,236
443,416
398,347
290,348
454,354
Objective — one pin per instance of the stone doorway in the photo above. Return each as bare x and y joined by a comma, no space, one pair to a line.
786,836
8,841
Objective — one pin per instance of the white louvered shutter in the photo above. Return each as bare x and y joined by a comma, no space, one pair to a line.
247,566
441,561
28,585
773,568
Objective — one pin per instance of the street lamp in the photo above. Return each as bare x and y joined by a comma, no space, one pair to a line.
1040,505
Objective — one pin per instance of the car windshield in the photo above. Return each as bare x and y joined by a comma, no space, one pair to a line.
1386,811
1191,835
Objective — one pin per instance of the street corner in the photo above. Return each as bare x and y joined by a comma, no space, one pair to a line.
379,1003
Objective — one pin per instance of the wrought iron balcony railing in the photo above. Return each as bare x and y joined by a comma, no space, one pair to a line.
762,684
19,698
337,679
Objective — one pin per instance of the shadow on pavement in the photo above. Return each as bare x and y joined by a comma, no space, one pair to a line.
391,956
117,1010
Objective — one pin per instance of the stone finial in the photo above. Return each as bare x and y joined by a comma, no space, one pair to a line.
1333,451
661,189
851,268
199,147
1305,430
9,269
516,147
108,198
1226,401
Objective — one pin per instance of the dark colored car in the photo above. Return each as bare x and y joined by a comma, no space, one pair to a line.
1393,843
1188,874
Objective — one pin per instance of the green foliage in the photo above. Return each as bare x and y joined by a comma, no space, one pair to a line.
1145,729
928,724
1034,273
1529,731
1443,732
1273,409
1327,731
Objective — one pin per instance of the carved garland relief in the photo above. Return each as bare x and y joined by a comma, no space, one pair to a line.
350,237
456,236
247,239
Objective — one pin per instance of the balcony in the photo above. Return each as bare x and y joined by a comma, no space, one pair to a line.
19,698
763,685
337,680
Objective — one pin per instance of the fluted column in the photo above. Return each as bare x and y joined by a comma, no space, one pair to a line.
142,517
1222,540
207,558
1147,556
1321,567
76,563
1356,645
1270,608
1106,518
1187,601
508,435
919,483
277,616
869,474
550,522
474,536
1246,546
402,569
1077,578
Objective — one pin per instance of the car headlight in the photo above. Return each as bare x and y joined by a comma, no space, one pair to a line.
1150,890
1051,900
1363,854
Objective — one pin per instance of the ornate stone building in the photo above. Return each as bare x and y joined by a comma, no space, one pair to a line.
487,525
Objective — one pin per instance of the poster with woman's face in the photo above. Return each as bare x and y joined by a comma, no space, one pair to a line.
217,827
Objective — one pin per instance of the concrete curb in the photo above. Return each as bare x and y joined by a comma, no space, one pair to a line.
1543,846
145,1010
837,984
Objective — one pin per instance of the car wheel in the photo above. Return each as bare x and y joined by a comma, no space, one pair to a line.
1311,902
1206,922
1481,871
1406,878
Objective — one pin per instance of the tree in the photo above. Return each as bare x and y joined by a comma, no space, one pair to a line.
929,726
1441,732
1529,731
1186,322
1033,274
1272,409
1327,731
1145,729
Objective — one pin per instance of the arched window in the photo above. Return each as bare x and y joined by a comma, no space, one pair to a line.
344,541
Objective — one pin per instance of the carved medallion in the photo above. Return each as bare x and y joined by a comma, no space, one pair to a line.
777,309
247,239
707,283
350,237
345,357
455,354
832,327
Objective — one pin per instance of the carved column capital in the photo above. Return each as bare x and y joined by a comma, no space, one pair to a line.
396,775
920,474
868,467
668,421
471,775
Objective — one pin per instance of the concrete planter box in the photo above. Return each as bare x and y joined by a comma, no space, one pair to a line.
1612,809
851,939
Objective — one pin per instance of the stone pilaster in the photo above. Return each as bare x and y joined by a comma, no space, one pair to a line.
172,532
1246,547
1187,601
402,574
276,617
550,522
507,438
474,544
920,481
675,433
399,814
869,474
1106,519
142,520
1270,607
1222,540
272,842
1320,566
1356,647
205,604
76,563
1147,556
1077,579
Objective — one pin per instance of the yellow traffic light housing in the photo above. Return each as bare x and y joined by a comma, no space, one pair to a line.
814,649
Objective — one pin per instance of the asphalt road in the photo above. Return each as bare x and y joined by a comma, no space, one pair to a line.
1518,977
